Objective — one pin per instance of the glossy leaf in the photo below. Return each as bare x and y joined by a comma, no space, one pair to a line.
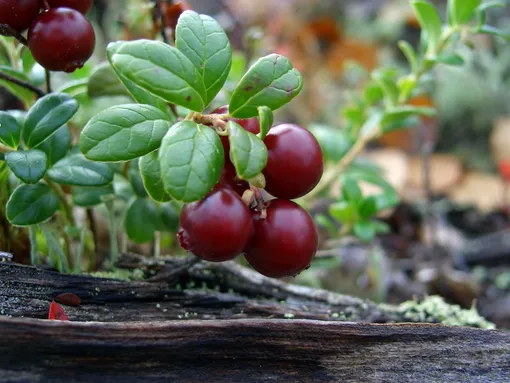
57,146
139,221
462,11
89,196
76,170
451,59
10,130
411,56
136,181
104,82
247,152
31,204
150,171
191,158
344,212
265,120
430,22
77,88
351,191
272,81
160,69
24,94
123,132
29,165
205,44
47,115
368,208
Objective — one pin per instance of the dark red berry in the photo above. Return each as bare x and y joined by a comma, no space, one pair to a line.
284,242
229,179
249,124
295,161
217,228
61,39
68,299
82,6
19,14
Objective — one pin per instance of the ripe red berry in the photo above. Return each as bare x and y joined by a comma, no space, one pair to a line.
82,6
229,179
284,242
250,124
61,39
19,14
217,228
295,161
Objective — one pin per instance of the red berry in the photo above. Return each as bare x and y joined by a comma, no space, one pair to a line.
61,39
217,228
249,124
229,179
19,14
295,161
284,242
82,6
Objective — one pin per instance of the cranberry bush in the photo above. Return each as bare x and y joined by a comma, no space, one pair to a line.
165,154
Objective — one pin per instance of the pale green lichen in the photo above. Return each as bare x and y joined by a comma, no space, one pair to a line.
434,309
120,274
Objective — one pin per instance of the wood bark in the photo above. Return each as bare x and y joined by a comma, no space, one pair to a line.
134,331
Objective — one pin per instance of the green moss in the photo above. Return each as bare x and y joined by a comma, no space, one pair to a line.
434,309
123,275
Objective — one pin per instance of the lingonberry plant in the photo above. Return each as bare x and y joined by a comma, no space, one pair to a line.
164,152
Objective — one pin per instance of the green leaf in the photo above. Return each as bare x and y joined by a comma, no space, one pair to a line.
29,165
55,249
490,30
191,158
408,51
388,86
57,146
139,221
447,58
272,81
265,120
344,212
123,132
150,170
405,111
351,191
104,82
75,88
247,152
24,94
205,44
169,218
381,227
368,207
136,182
19,115
10,130
31,204
372,125
78,171
27,61
160,69
364,230
430,22
406,85
335,143
372,94
483,8
462,11
89,196
47,115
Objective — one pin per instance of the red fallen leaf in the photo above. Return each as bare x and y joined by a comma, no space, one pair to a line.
57,312
68,299
504,170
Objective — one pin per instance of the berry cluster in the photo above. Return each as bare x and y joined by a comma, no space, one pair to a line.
60,38
277,237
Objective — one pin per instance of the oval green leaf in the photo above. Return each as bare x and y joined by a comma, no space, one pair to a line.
430,23
29,165
335,143
247,152
91,196
10,130
47,115
265,120
160,69
123,132
191,158
462,11
140,220
104,82
205,44
135,179
272,81
76,170
31,204
150,170
57,146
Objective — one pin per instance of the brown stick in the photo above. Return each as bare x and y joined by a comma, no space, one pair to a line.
24,84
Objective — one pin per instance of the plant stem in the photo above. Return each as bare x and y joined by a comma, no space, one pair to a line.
79,251
68,211
24,84
6,30
33,244
47,76
92,226
156,252
114,250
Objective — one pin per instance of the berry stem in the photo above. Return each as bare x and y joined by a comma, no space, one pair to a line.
6,30
47,76
24,84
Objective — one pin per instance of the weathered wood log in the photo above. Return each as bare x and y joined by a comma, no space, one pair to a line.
244,350
195,334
